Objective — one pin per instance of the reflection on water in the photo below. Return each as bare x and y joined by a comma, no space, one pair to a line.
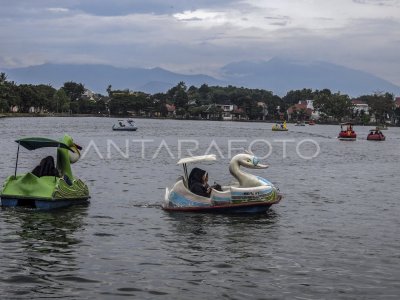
335,235
44,244
192,224
54,228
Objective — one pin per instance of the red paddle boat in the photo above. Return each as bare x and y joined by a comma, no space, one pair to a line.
375,135
347,134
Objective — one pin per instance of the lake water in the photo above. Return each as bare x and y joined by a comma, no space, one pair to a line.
335,235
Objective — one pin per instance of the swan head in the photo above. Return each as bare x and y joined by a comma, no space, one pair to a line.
75,153
249,161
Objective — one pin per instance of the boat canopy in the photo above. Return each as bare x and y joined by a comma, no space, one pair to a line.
33,143
193,159
347,123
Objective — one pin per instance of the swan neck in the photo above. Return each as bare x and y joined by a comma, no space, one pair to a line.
236,172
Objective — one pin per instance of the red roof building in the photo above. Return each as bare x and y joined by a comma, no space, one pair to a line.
298,108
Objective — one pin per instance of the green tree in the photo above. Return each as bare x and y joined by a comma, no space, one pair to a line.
335,105
160,100
61,102
3,78
73,90
45,96
109,90
101,106
178,95
122,103
204,92
29,97
381,105
293,97
4,93
365,119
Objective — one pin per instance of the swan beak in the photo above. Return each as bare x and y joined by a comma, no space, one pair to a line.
261,166
75,154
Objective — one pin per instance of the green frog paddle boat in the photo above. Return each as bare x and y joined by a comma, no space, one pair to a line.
47,186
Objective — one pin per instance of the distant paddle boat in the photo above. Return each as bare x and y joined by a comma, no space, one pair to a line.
47,186
311,122
252,194
280,127
346,132
125,125
375,135
298,123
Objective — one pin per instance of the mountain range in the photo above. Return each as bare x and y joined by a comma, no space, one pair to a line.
276,75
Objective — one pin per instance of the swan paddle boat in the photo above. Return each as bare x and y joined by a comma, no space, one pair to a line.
280,127
47,186
347,134
375,135
252,194
125,125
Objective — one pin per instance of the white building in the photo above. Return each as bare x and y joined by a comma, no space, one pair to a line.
264,110
227,111
360,105
88,94
315,115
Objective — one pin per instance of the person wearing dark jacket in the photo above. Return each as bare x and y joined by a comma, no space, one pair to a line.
45,168
198,182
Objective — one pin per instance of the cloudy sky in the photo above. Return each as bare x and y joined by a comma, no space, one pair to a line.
201,36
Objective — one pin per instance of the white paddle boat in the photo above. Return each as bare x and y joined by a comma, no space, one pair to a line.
252,194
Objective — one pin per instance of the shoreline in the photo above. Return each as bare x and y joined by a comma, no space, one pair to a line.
64,115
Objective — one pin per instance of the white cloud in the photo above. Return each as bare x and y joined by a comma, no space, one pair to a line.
58,9
360,33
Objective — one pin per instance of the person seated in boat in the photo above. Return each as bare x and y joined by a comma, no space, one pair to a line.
198,183
46,168
120,124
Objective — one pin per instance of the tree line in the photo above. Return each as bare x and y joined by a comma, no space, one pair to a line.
189,102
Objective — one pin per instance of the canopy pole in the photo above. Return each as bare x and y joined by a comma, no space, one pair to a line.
16,163
186,174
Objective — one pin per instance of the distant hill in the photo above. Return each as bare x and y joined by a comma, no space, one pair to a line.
98,77
276,75
281,76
